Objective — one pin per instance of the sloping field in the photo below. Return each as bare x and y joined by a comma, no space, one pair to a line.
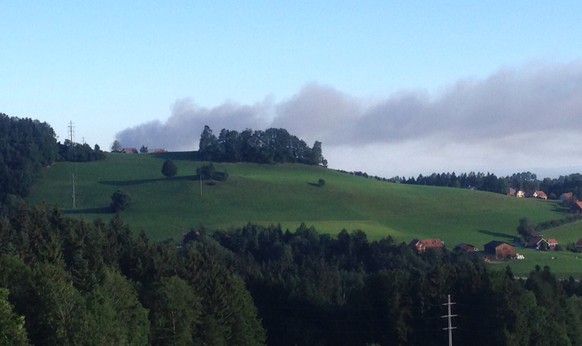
289,195
285,194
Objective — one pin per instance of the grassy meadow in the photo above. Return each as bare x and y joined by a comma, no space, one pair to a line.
288,195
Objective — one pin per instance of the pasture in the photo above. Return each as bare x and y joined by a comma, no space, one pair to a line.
288,195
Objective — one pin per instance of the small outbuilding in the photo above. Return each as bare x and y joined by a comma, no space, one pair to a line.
499,249
465,248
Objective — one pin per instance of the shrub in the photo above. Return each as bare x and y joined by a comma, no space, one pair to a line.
120,200
169,169
321,182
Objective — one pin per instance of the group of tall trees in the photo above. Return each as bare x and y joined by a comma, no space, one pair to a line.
269,146
66,281
524,181
313,288
75,152
26,146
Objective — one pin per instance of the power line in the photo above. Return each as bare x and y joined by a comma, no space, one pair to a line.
449,316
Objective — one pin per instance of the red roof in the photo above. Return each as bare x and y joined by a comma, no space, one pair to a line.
423,244
432,243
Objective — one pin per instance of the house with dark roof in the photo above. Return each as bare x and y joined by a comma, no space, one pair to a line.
499,249
538,243
465,248
421,245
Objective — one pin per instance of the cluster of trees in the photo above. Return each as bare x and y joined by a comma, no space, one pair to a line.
68,282
478,181
26,146
313,288
76,152
269,146
524,181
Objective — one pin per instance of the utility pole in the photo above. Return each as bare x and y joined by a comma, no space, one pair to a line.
72,138
74,194
71,132
449,316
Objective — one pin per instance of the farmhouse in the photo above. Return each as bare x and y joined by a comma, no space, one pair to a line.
465,248
567,197
540,195
520,194
421,245
129,150
538,243
499,249
578,244
552,243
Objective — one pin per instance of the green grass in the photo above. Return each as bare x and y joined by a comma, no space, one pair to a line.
288,195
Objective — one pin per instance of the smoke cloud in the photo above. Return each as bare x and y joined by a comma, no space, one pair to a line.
524,117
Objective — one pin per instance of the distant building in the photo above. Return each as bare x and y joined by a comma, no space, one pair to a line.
566,197
552,243
520,194
157,151
540,195
537,243
466,248
421,245
499,249
129,150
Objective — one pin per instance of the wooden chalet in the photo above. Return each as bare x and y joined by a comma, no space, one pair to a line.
499,249
421,245
537,242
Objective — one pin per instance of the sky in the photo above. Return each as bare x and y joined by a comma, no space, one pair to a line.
391,88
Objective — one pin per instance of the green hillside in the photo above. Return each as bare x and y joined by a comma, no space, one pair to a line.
286,194
289,195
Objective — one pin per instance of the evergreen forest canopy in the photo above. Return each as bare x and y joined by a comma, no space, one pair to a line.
269,146
26,146
68,282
